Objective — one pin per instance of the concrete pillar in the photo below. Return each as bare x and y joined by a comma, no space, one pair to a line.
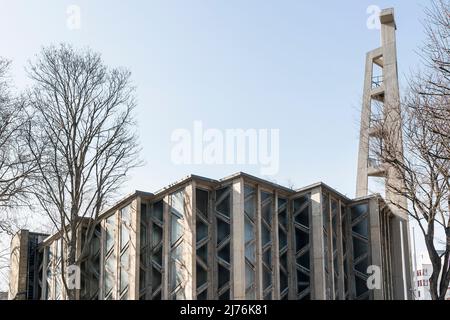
363,151
19,266
135,245
258,265
375,244
116,288
238,241
275,250
340,252
397,258
318,290
189,254
166,249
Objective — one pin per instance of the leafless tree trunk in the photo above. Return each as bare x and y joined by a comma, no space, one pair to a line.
82,138
425,164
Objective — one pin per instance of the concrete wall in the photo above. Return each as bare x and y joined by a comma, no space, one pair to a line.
19,266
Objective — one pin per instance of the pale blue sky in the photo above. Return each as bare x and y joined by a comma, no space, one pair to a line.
293,65
296,66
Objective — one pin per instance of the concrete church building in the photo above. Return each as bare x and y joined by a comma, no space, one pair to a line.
240,237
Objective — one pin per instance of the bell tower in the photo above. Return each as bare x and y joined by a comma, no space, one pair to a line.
381,125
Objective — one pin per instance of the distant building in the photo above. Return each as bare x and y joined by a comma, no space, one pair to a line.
424,269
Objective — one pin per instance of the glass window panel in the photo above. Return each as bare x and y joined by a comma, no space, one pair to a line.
144,215
250,199
362,266
250,294
143,234
224,207
224,253
267,277
281,202
359,210
225,295
223,230
249,207
267,257
126,214
157,256
202,276
156,278
265,234
124,227
201,197
301,239
303,217
124,236
282,238
124,267
110,223
282,218
359,247
157,296
177,229
360,286
302,277
266,212
283,281
203,295
303,260
156,235
326,210
178,203
283,260
250,252
158,210
265,196
175,275
249,275
96,264
224,276
202,252
109,274
110,263
220,192
307,296
201,230
362,228
299,202
249,230
177,252
142,280
180,295
248,191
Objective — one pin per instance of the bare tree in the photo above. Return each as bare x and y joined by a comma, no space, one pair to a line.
82,137
15,164
424,166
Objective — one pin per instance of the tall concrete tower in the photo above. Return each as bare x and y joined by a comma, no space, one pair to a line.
381,104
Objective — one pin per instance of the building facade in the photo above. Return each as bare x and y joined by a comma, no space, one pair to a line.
240,237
